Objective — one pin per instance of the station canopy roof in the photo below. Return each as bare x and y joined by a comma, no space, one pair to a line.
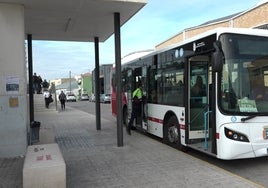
75,20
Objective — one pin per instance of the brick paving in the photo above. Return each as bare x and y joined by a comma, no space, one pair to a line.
93,159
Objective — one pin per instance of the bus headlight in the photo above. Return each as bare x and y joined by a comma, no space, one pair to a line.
233,135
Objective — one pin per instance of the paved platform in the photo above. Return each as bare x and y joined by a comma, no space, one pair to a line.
93,159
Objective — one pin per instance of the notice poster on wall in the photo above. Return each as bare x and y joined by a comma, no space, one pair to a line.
13,102
12,85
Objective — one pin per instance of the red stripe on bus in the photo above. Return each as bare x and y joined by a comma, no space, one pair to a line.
156,120
217,135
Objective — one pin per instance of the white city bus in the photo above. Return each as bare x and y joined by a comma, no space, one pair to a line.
229,118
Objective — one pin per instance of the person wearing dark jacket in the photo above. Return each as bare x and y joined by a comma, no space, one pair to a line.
62,98
45,85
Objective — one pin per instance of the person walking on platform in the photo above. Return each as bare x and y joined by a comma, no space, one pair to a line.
136,107
47,97
35,83
45,85
62,98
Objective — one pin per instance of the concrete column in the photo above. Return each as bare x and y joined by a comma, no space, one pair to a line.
118,78
30,77
97,83
13,82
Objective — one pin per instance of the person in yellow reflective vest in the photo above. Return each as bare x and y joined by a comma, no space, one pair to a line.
136,107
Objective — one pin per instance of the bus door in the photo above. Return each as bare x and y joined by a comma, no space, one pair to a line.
144,107
129,89
198,95
135,76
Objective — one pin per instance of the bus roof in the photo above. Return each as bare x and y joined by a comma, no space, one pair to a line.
217,31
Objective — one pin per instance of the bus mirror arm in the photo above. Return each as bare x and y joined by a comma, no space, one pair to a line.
217,57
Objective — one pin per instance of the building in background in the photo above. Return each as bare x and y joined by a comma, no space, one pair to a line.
77,85
85,83
60,81
105,82
255,17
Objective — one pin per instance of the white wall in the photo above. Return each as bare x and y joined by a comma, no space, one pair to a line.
13,104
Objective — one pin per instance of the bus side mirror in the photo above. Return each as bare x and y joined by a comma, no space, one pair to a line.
217,57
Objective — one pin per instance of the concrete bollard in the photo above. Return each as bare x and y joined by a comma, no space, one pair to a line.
44,167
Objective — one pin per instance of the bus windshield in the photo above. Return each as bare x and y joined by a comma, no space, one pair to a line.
244,80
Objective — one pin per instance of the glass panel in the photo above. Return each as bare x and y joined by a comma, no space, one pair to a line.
244,82
198,92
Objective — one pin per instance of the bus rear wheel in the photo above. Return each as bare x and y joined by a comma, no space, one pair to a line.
172,133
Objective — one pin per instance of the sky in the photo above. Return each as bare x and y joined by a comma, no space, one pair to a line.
154,23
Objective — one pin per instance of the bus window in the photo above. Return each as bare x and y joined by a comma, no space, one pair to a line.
152,81
199,83
173,87
170,91
243,84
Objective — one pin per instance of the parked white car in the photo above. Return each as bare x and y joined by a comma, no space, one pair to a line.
84,97
70,97
105,98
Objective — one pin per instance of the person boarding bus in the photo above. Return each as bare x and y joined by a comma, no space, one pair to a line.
136,107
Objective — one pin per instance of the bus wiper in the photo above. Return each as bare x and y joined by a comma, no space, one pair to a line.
247,118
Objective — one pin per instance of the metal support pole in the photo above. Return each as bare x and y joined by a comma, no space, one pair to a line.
97,84
30,72
118,79
206,129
